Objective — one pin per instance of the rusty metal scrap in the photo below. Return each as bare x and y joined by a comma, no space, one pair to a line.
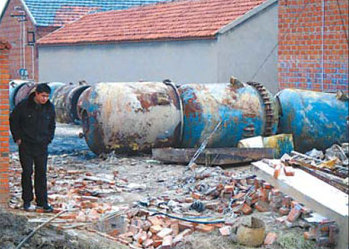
315,167
212,156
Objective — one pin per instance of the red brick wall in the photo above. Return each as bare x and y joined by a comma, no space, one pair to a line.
10,30
4,121
312,55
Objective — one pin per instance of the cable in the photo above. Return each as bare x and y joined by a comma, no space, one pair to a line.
198,220
265,60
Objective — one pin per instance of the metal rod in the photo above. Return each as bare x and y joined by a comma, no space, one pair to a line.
36,229
203,145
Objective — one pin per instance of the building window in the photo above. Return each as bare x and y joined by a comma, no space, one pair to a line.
31,38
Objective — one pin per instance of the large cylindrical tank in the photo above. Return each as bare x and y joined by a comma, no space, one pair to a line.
315,119
244,110
22,92
54,86
130,117
65,99
13,87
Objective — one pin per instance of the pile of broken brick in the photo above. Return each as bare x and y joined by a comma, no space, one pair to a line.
222,196
202,199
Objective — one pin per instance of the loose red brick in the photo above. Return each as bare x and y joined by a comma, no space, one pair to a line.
277,171
225,231
289,171
154,220
262,206
196,196
181,235
246,209
204,228
155,229
164,232
148,243
175,227
229,189
183,225
167,242
270,238
294,213
157,243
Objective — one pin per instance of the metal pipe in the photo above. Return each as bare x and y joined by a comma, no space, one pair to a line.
322,43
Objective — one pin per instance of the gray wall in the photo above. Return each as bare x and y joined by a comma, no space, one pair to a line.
180,61
240,51
244,48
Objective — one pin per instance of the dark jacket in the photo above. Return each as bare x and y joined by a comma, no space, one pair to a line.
33,123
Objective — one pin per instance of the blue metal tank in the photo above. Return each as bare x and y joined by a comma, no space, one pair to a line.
130,117
315,119
245,110
54,86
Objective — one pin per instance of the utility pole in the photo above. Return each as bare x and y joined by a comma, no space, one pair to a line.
20,15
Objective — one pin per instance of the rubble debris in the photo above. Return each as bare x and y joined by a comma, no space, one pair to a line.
212,156
167,218
314,153
330,200
337,152
327,171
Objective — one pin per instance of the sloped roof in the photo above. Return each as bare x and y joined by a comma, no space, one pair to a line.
59,12
186,19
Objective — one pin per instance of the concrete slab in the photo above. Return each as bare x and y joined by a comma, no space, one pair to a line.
313,193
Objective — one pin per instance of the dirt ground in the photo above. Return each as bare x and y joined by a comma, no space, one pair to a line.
135,180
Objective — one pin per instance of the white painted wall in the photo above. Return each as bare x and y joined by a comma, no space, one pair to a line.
180,61
243,49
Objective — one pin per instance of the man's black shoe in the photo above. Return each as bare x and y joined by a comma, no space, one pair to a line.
47,208
28,207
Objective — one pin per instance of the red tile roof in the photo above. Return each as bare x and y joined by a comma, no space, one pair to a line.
188,19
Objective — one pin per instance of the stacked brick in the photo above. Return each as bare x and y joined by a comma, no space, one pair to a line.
313,45
4,121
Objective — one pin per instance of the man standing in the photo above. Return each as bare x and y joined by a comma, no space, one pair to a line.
32,124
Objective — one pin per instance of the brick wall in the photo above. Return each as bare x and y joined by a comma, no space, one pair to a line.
10,30
4,121
313,44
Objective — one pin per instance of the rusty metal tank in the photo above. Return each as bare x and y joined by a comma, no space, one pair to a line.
22,92
130,117
54,86
65,99
315,119
20,89
13,88
245,110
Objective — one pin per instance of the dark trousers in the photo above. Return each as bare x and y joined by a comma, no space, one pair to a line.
37,154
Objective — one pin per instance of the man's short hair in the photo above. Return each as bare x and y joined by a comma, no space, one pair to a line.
43,87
